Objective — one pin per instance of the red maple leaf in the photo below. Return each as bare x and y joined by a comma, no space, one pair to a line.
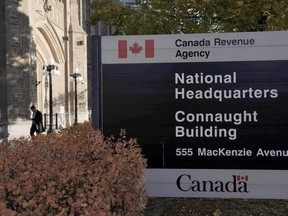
135,49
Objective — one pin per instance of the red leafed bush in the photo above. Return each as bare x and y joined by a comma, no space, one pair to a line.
76,171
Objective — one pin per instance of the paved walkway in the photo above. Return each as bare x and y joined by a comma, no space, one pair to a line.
19,129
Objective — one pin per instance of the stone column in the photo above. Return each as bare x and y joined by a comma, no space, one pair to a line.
78,59
3,76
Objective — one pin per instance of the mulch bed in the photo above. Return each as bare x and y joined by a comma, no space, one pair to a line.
215,207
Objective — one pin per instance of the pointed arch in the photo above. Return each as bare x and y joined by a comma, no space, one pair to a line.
49,42
48,45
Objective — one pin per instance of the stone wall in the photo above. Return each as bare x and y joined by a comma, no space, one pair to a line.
21,69
29,36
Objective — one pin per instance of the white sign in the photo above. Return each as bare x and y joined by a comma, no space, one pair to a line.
251,46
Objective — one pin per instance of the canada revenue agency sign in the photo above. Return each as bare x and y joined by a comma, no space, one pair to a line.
210,111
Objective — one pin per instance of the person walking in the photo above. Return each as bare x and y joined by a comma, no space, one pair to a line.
37,123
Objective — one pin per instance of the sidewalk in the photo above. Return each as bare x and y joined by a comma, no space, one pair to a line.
21,128
18,129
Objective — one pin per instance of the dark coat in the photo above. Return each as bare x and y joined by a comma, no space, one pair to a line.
37,119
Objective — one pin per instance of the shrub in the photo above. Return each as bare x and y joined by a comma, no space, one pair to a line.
76,171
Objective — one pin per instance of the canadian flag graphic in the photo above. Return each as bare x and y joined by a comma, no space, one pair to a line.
242,178
135,48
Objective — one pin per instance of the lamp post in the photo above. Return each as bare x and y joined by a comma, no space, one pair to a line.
76,77
50,69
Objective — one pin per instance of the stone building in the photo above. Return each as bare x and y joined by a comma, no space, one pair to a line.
32,32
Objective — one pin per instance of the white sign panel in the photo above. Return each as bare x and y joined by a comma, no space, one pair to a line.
270,184
251,46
